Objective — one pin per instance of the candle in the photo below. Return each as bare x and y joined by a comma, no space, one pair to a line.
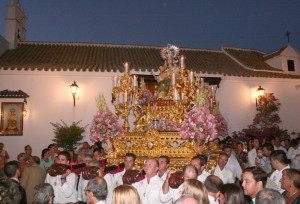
125,96
134,80
202,82
182,63
126,66
191,77
115,81
173,79
175,95
182,96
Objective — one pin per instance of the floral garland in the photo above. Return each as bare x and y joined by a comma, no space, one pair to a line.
199,124
105,125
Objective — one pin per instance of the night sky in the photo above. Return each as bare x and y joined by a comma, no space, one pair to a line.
206,24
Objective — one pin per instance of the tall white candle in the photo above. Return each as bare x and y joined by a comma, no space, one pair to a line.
175,95
202,82
191,76
134,80
115,81
182,61
173,79
126,66
125,96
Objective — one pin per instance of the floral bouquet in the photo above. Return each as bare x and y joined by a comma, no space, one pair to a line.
199,124
105,125
165,125
144,96
221,125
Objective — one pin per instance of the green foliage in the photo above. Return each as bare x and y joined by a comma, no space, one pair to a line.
68,137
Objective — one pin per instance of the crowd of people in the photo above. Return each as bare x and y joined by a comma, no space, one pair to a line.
258,172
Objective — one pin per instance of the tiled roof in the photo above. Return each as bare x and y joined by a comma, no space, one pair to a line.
250,58
106,57
273,54
13,94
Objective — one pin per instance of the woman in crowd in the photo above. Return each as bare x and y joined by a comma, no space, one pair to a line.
46,161
195,188
126,194
231,194
291,183
22,158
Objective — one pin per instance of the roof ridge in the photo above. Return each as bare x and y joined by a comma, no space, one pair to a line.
243,49
89,44
279,51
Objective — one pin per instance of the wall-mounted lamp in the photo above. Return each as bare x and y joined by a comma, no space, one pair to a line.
24,113
259,92
74,88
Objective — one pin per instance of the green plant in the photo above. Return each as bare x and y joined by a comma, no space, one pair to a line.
68,137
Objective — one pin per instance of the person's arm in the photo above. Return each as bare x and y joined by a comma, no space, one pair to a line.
68,183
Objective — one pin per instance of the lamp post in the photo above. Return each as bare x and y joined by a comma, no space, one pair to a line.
74,88
260,92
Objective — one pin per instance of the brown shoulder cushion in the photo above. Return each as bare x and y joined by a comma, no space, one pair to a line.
176,179
132,176
58,169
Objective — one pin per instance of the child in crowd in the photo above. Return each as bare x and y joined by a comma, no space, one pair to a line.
260,159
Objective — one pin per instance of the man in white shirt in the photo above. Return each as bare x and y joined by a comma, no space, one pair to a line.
129,161
83,183
213,185
149,188
279,162
199,162
233,163
96,191
294,154
168,194
254,180
252,153
277,144
225,174
164,163
64,185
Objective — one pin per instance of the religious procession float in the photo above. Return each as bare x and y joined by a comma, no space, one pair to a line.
179,119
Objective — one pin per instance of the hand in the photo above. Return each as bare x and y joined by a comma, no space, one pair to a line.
66,174
169,174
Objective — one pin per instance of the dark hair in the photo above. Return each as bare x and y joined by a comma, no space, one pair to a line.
98,187
259,148
227,146
27,146
233,194
44,151
203,159
10,168
280,156
269,196
258,174
213,183
131,155
165,157
51,145
65,154
294,143
268,146
97,150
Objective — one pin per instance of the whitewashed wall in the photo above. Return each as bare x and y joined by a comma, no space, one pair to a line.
50,100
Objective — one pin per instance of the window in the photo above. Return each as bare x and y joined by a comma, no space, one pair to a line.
291,66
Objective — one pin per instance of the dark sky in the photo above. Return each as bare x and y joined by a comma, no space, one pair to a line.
207,24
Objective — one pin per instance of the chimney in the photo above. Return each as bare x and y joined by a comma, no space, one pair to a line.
15,24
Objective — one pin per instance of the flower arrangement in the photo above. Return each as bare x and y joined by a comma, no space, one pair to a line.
144,96
199,124
165,125
221,125
105,125
266,121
